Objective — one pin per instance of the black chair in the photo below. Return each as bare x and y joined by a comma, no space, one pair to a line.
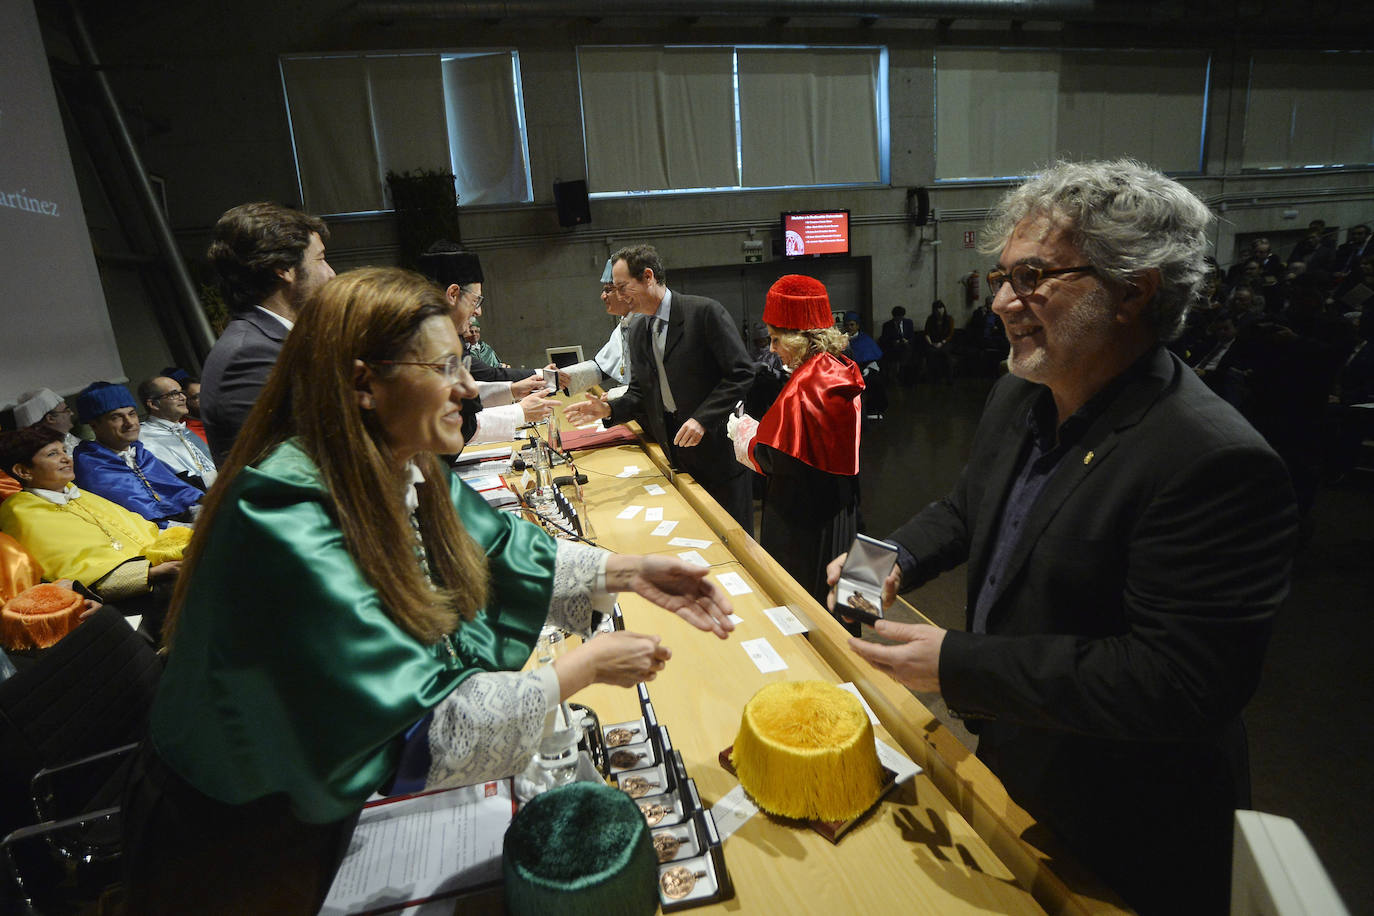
89,693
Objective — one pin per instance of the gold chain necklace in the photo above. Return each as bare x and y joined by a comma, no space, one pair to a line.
86,515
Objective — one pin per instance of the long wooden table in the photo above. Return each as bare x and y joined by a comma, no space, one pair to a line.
949,841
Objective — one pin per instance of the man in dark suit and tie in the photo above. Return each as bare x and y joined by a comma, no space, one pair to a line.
1128,538
898,341
269,259
688,370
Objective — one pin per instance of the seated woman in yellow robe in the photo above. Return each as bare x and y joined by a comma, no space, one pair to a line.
78,535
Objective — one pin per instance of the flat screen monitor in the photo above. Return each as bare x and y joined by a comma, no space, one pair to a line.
815,233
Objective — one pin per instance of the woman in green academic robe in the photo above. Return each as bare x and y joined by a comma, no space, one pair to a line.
344,592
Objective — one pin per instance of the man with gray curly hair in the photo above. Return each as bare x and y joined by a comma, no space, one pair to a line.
1128,539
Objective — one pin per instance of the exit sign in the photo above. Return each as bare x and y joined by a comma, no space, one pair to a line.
753,259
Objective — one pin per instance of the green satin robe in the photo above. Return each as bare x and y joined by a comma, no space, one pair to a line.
289,677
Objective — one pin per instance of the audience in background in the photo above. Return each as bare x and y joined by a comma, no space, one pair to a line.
164,434
898,343
936,344
74,534
865,351
118,467
479,349
44,406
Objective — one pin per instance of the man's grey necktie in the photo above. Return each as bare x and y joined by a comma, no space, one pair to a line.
660,339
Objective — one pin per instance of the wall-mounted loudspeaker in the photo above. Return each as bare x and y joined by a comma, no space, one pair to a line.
574,209
918,206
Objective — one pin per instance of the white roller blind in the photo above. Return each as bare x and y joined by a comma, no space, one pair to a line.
407,99
1307,109
331,123
658,118
1003,113
354,117
485,134
809,116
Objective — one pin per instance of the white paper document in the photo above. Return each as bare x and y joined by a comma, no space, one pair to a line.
654,489
691,556
629,512
736,619
896,761
785,621
698,543
654,514
731,812
664,529
734,583
630,471
408,850
763,655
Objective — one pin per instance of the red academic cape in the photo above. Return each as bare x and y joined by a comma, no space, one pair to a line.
816,418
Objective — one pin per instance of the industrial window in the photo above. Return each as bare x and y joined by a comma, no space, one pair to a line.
355,117
1309,110
1003,113
702,118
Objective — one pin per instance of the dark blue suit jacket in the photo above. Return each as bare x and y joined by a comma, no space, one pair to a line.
235,371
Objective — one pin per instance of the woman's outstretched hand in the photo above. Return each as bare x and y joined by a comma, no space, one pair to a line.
673,585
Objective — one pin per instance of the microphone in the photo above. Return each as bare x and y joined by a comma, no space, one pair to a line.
568,480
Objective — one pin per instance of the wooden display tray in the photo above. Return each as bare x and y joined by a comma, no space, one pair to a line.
831,830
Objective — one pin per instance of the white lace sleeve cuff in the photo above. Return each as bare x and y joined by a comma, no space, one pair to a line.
490,726
579,586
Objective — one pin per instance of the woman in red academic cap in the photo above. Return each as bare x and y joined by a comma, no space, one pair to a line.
808,442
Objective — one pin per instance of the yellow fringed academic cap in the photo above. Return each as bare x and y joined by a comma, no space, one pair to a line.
805,750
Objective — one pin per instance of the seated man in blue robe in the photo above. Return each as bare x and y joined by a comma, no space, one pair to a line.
118,467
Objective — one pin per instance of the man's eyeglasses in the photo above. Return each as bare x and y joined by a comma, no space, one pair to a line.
174,395
452,368
1026,279
475,298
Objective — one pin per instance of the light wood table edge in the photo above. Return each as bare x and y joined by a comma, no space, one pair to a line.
960,776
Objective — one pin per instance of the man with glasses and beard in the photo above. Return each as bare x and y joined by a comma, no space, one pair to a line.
269,259
1128,539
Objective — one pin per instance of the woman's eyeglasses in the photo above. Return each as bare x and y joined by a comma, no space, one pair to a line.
453,368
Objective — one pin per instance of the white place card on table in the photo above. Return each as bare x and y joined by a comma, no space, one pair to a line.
785,621
734,583
763,655
653,514
732,811
630,471
654,489
896,761
691,556
689,542
735,619
664,529
629,512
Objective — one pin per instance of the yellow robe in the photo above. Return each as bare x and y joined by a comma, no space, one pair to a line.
68,545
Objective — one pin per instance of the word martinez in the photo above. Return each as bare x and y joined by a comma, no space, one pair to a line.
20,200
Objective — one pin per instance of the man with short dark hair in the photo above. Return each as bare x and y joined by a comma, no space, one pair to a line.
689,370
269,259
1128,538
118,467
165,435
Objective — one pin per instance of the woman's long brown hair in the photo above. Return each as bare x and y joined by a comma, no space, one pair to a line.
370,314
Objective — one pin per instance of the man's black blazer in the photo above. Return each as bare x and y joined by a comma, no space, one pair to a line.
708,370
235,371
1130,624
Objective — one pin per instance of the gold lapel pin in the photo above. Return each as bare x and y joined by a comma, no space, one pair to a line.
1088,458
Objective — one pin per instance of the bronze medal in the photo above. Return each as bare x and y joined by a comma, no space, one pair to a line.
620,736
666,846
653,813
860,603
637,786
678,882
624,759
